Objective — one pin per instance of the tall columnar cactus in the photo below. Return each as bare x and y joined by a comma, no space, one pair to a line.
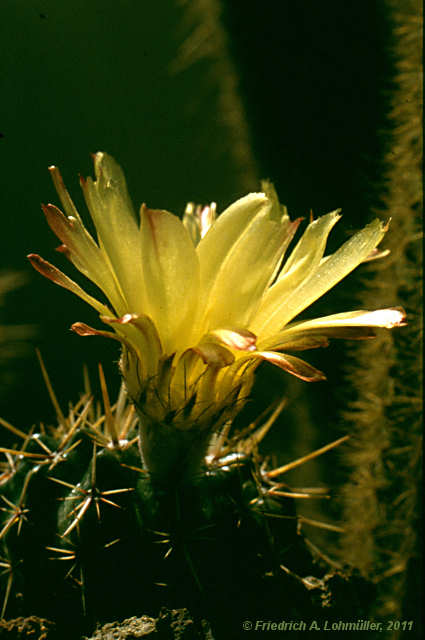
158,495
382,537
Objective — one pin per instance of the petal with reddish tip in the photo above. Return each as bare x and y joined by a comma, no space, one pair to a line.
83,329
56,276
240,339
292,365
84,253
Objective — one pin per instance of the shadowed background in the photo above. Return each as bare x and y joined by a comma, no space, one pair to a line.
197,101
300,100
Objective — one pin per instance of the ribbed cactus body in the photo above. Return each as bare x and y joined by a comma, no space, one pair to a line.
96,536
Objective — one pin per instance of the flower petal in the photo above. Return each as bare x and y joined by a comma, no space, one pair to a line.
240,339
236,376
293,342
245,273
386,318
353,325
303,261
189,366
278,212
141,333
84,253
113,215
214,355
292,365
52,273
309,250
225,232
198,220
83,329
376,254
171,272
277,313
65,198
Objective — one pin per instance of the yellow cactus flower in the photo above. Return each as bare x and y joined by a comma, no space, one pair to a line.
198,303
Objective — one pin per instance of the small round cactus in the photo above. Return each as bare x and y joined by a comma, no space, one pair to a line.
84,527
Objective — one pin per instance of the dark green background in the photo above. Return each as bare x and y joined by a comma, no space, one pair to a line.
81,76
315,79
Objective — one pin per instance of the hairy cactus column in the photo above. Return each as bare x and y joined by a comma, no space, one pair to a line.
386,419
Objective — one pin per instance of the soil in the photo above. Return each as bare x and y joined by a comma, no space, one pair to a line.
174,624
335,597
31,628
